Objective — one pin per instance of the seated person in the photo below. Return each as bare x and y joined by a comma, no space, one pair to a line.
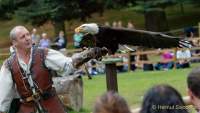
111,102
143,62
60,42
182,58
92,67
166,61
163,99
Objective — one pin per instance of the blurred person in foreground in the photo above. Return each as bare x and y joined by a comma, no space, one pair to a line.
193,83
111,102
163,99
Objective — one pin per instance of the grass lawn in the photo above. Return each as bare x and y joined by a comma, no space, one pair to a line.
133,85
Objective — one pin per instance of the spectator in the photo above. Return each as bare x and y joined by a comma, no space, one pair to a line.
44,42
189,32
60,42
166,61
92,67
114,24
77,37
111,102
130,25
142,61
163,99
119,24
193,83
107,24
182,57
195,52
35,37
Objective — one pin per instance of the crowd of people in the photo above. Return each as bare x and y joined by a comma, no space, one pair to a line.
161,98
44,41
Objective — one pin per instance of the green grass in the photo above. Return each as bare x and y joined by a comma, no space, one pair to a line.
133,85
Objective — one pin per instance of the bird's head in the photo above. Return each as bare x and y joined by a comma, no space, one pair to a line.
91,28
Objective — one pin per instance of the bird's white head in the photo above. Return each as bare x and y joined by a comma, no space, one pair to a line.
91,28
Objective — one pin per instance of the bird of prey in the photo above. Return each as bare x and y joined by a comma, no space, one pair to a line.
102,36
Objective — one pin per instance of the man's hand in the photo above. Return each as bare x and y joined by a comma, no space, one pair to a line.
86,55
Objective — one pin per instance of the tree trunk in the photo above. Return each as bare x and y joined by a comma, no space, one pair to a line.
182,8
59,26
156,20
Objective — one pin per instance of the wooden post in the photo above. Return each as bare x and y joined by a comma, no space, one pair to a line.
111,73
129,61
175,59
111,77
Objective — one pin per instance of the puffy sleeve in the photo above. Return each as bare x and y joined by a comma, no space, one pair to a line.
58,62
7,89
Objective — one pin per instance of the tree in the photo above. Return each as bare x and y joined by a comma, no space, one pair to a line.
39,12
6,9
57,12
88,7
154,13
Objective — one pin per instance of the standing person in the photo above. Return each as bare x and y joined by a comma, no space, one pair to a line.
61,41
35,37
114,24
77,37
111,102
107,24
189,32
163,99
130,25
44,42
119,24
27,74
193,83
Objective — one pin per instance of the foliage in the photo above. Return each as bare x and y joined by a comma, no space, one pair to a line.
41,11
6,9
110,4
143,6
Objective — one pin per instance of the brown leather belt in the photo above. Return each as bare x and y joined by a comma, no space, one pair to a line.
40,95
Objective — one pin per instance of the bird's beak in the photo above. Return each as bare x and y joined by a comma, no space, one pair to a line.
78,29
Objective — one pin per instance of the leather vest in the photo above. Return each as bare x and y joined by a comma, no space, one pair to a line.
40,74
41,77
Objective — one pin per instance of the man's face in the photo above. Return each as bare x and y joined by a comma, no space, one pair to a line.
23,39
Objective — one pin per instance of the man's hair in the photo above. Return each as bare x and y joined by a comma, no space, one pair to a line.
193,81
111,102
13,32
163,96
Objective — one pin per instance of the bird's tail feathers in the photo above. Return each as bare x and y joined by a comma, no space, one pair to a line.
185,44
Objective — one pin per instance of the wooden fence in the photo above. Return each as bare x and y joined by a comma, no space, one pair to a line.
154,53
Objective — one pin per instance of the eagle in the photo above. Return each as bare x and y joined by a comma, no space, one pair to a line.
109,37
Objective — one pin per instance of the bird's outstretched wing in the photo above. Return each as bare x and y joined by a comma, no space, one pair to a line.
144,38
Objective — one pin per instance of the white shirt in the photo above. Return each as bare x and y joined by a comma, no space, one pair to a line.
183,54
54,60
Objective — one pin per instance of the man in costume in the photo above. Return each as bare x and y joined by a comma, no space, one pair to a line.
27,74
